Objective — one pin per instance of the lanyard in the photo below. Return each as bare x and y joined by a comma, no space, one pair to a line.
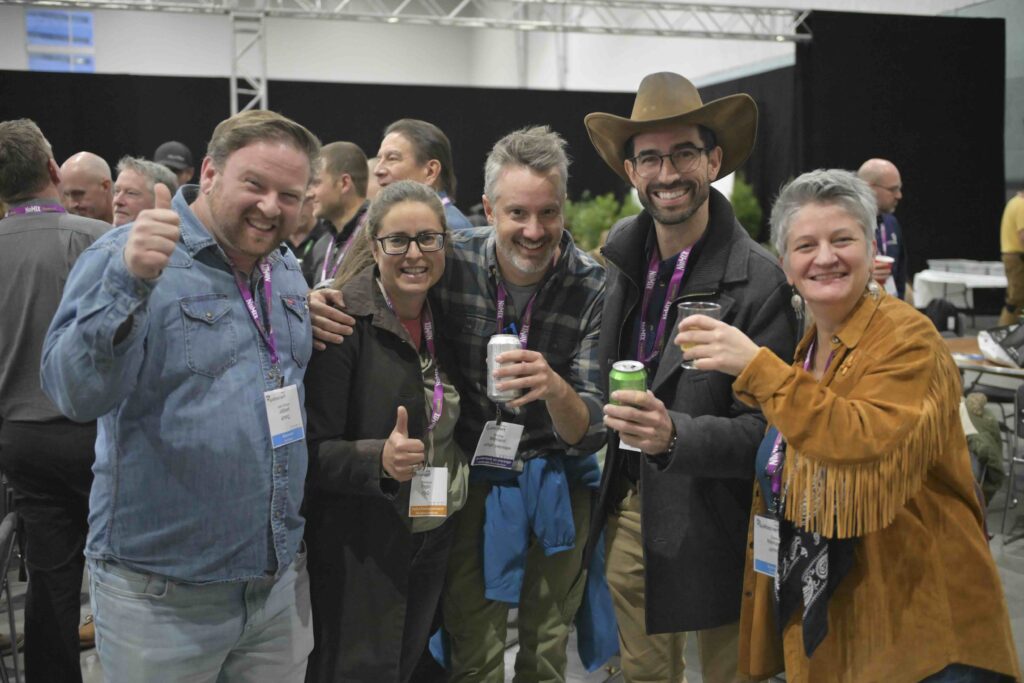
266,331
341,252
884,246
427,322
673,290
774,467
33,208
524,331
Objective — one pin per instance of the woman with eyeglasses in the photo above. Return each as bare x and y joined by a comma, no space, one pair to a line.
385,475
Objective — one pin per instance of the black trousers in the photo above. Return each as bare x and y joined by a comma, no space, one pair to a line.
49,466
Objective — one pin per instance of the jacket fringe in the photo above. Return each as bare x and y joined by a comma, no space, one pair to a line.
840,501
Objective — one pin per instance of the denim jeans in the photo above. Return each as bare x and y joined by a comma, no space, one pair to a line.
150,628
961,673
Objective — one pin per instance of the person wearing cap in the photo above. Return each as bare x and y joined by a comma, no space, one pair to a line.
676,487
178,158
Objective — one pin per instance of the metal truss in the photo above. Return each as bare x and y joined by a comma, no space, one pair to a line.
249,62
601,17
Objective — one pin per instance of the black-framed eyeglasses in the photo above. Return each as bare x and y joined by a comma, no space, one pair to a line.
398,245
684,160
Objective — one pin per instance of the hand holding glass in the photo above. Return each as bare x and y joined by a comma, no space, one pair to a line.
688,308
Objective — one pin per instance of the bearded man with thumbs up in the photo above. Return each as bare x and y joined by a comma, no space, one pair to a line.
186,334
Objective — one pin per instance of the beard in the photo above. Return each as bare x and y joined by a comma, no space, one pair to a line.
698,191
529,266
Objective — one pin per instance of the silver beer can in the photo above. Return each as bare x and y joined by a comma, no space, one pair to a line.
499,344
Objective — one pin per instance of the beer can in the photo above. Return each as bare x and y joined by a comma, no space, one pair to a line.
627,374
499,344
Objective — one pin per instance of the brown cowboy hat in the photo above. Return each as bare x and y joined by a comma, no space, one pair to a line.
665,98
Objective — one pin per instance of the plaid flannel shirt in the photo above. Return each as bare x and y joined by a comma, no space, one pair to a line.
564,327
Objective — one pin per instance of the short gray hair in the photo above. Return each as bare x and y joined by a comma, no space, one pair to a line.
824,186
538,148
150,170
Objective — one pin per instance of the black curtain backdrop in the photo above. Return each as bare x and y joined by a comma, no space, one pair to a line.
924,92
927,94
113,115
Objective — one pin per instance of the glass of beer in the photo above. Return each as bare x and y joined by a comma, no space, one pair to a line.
688,308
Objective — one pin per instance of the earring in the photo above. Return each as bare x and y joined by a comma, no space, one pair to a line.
797,302
873,289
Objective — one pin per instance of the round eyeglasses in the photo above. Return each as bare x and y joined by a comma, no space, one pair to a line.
398,245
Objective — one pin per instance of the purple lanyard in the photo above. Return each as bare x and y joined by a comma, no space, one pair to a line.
774,467
266,331
445,201
673,289
341,252
885,238
524,331
427,323
32,208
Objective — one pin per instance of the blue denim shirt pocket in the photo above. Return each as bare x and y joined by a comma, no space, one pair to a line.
210,337
299,329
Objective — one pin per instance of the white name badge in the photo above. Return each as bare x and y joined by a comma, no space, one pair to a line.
766,545
284,415
623,446
428,496
498,445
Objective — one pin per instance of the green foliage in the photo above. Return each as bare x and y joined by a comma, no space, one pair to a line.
588,217
746,207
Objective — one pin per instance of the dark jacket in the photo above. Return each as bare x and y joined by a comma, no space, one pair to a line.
357,525
696,499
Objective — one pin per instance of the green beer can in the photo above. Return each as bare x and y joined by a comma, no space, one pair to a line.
627,374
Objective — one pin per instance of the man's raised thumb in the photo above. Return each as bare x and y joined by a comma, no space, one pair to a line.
402,422
163,196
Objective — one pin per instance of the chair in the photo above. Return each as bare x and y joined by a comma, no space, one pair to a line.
1016,457
8,533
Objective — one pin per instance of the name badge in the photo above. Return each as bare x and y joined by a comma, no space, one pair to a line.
766,545
284,415
498,445
428,496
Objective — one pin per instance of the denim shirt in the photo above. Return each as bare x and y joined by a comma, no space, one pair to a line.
186,484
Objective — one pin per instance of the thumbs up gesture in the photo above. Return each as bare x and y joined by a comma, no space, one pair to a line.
402,456
152,237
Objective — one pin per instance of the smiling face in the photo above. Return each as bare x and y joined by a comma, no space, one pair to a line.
827,259
132,194
527,219
407,277
253,203
671,197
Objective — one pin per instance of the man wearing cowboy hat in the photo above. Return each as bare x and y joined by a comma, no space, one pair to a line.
677,481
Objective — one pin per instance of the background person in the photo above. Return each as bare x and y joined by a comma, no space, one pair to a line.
133,189
339,205
884,569
177,157
1011,238
420,151
884,179
381,408
86,187
46,457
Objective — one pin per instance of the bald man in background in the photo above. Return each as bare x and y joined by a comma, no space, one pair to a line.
86,187
884,179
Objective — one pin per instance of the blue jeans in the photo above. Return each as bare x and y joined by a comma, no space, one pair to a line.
150,628
961,673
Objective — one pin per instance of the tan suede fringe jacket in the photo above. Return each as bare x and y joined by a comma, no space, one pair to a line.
876,451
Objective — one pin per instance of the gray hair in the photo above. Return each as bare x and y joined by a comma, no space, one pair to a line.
360,255
538,148
824,186
150,170
24,159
